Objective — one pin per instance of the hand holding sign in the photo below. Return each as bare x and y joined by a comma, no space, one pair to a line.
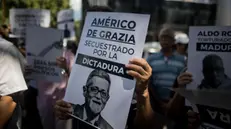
140,69
183,79
61,62
107,43
62,109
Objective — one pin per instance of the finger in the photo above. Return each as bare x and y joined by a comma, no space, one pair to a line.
191,113
192,120
141,62
186,79
61,116
136,68
186,74
185,82
63,110
60,58
59,62
62,103
134,74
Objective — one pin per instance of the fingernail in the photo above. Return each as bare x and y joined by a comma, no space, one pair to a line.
127,71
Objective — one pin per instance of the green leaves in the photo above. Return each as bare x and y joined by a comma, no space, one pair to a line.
53,5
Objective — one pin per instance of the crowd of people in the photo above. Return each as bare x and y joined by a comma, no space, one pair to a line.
41,106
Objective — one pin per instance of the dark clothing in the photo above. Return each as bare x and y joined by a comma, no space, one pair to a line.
226,84
67,33
15,122
32,117
77,124
131,117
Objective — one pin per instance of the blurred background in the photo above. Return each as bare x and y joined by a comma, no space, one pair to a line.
179,14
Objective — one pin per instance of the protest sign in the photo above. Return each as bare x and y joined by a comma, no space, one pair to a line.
43,46
22,18
65,22
208,61
107,43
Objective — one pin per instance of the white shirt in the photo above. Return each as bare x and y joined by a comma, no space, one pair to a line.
11,69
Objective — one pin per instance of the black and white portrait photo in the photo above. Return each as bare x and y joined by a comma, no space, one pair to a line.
96,94
214,73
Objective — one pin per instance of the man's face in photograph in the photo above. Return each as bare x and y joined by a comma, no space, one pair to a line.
214,72
97,94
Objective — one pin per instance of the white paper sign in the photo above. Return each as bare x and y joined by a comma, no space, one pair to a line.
43,46
65,21
209,62
99,85
209,57
22,18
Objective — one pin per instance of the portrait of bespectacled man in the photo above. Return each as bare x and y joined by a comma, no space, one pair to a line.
214,73
96,94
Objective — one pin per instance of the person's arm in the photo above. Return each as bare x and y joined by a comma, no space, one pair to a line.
145,114
176,104
7,106
1,125
141,71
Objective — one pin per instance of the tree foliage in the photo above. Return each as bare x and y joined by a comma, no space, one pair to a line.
53,5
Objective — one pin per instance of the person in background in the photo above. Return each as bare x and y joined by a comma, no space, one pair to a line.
148,118
181,41
166,67
4,31
12,84
32,116
50,92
